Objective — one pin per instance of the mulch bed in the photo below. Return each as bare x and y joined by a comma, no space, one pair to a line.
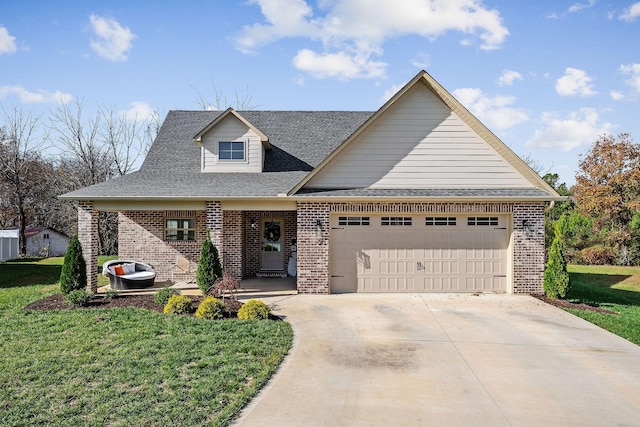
575,306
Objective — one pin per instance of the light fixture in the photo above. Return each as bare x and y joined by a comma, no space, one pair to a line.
253,223
526,226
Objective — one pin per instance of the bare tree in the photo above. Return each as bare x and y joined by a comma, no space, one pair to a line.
20,165
239,101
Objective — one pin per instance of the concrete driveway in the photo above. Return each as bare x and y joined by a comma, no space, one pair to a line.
443,360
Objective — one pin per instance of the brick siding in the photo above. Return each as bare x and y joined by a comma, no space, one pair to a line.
141,237
313,248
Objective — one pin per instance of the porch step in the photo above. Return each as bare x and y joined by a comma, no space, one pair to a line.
271,273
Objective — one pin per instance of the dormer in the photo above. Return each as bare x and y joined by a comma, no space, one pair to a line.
231,144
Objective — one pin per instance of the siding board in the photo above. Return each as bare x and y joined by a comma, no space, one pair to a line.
419,143
231,129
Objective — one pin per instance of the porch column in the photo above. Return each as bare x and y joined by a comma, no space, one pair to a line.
214,225
313,248
88,237
233,236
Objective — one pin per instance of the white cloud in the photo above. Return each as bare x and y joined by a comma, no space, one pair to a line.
633,71
616,95
631,13
7,41
576,7
390,92
339,65
39,97
139,111
508,77
578,128
495,112
421,60
574,82
352,32
112,41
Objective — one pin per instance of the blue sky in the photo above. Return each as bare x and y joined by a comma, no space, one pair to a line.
547,77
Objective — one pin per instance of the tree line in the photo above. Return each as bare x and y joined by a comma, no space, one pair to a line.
92,149
600,221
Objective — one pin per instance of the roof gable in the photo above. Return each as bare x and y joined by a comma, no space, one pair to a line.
231,112
422,138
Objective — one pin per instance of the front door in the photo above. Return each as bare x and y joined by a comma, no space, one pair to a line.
271,248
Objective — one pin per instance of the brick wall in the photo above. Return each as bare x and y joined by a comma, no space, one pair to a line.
313,248
528,248
88,236
141,237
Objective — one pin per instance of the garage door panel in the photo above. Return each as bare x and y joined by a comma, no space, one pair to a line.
459,258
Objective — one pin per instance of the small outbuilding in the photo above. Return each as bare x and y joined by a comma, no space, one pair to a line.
45,242
8,244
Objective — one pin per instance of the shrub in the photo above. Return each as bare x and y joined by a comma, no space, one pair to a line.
225,287
556,278
597,255
162,296
210,308
78,298
178,304
209,267
254,309
74,270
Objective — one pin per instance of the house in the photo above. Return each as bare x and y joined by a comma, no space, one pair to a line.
45,242
9,244
418,196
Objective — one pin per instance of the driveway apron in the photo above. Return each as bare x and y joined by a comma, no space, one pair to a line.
424,359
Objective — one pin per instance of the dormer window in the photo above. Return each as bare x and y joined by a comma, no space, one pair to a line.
231,150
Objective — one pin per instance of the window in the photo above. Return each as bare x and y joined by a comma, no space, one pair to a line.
45,235
180,230
353,220
396,220
231,150
440,220
482,220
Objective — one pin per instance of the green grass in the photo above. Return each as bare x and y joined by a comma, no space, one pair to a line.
612,288
123,366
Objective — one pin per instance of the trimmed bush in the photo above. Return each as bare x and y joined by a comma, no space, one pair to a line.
597,255
209,267
162,296
254,309
210,308
74,270
178,304
78,298
556,278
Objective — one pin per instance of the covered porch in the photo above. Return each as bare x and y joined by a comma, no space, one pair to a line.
253,240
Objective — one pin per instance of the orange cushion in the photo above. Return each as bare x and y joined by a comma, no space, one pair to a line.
118,270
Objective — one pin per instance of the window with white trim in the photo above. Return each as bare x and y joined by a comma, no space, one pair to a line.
396,220
440,220
482,220
231,151
180,229
353,220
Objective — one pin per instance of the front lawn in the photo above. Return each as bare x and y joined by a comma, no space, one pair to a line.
124,366
613,288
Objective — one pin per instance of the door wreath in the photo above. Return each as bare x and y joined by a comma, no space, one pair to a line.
272,231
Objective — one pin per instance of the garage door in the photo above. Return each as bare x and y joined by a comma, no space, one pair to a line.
418,253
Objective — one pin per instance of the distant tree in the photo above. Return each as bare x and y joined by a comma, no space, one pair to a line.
608,189
74,269
209,267
23,173
556,278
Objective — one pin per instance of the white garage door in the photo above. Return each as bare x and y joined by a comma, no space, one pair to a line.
418,253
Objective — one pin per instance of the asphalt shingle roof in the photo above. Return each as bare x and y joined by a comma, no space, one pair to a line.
299,141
